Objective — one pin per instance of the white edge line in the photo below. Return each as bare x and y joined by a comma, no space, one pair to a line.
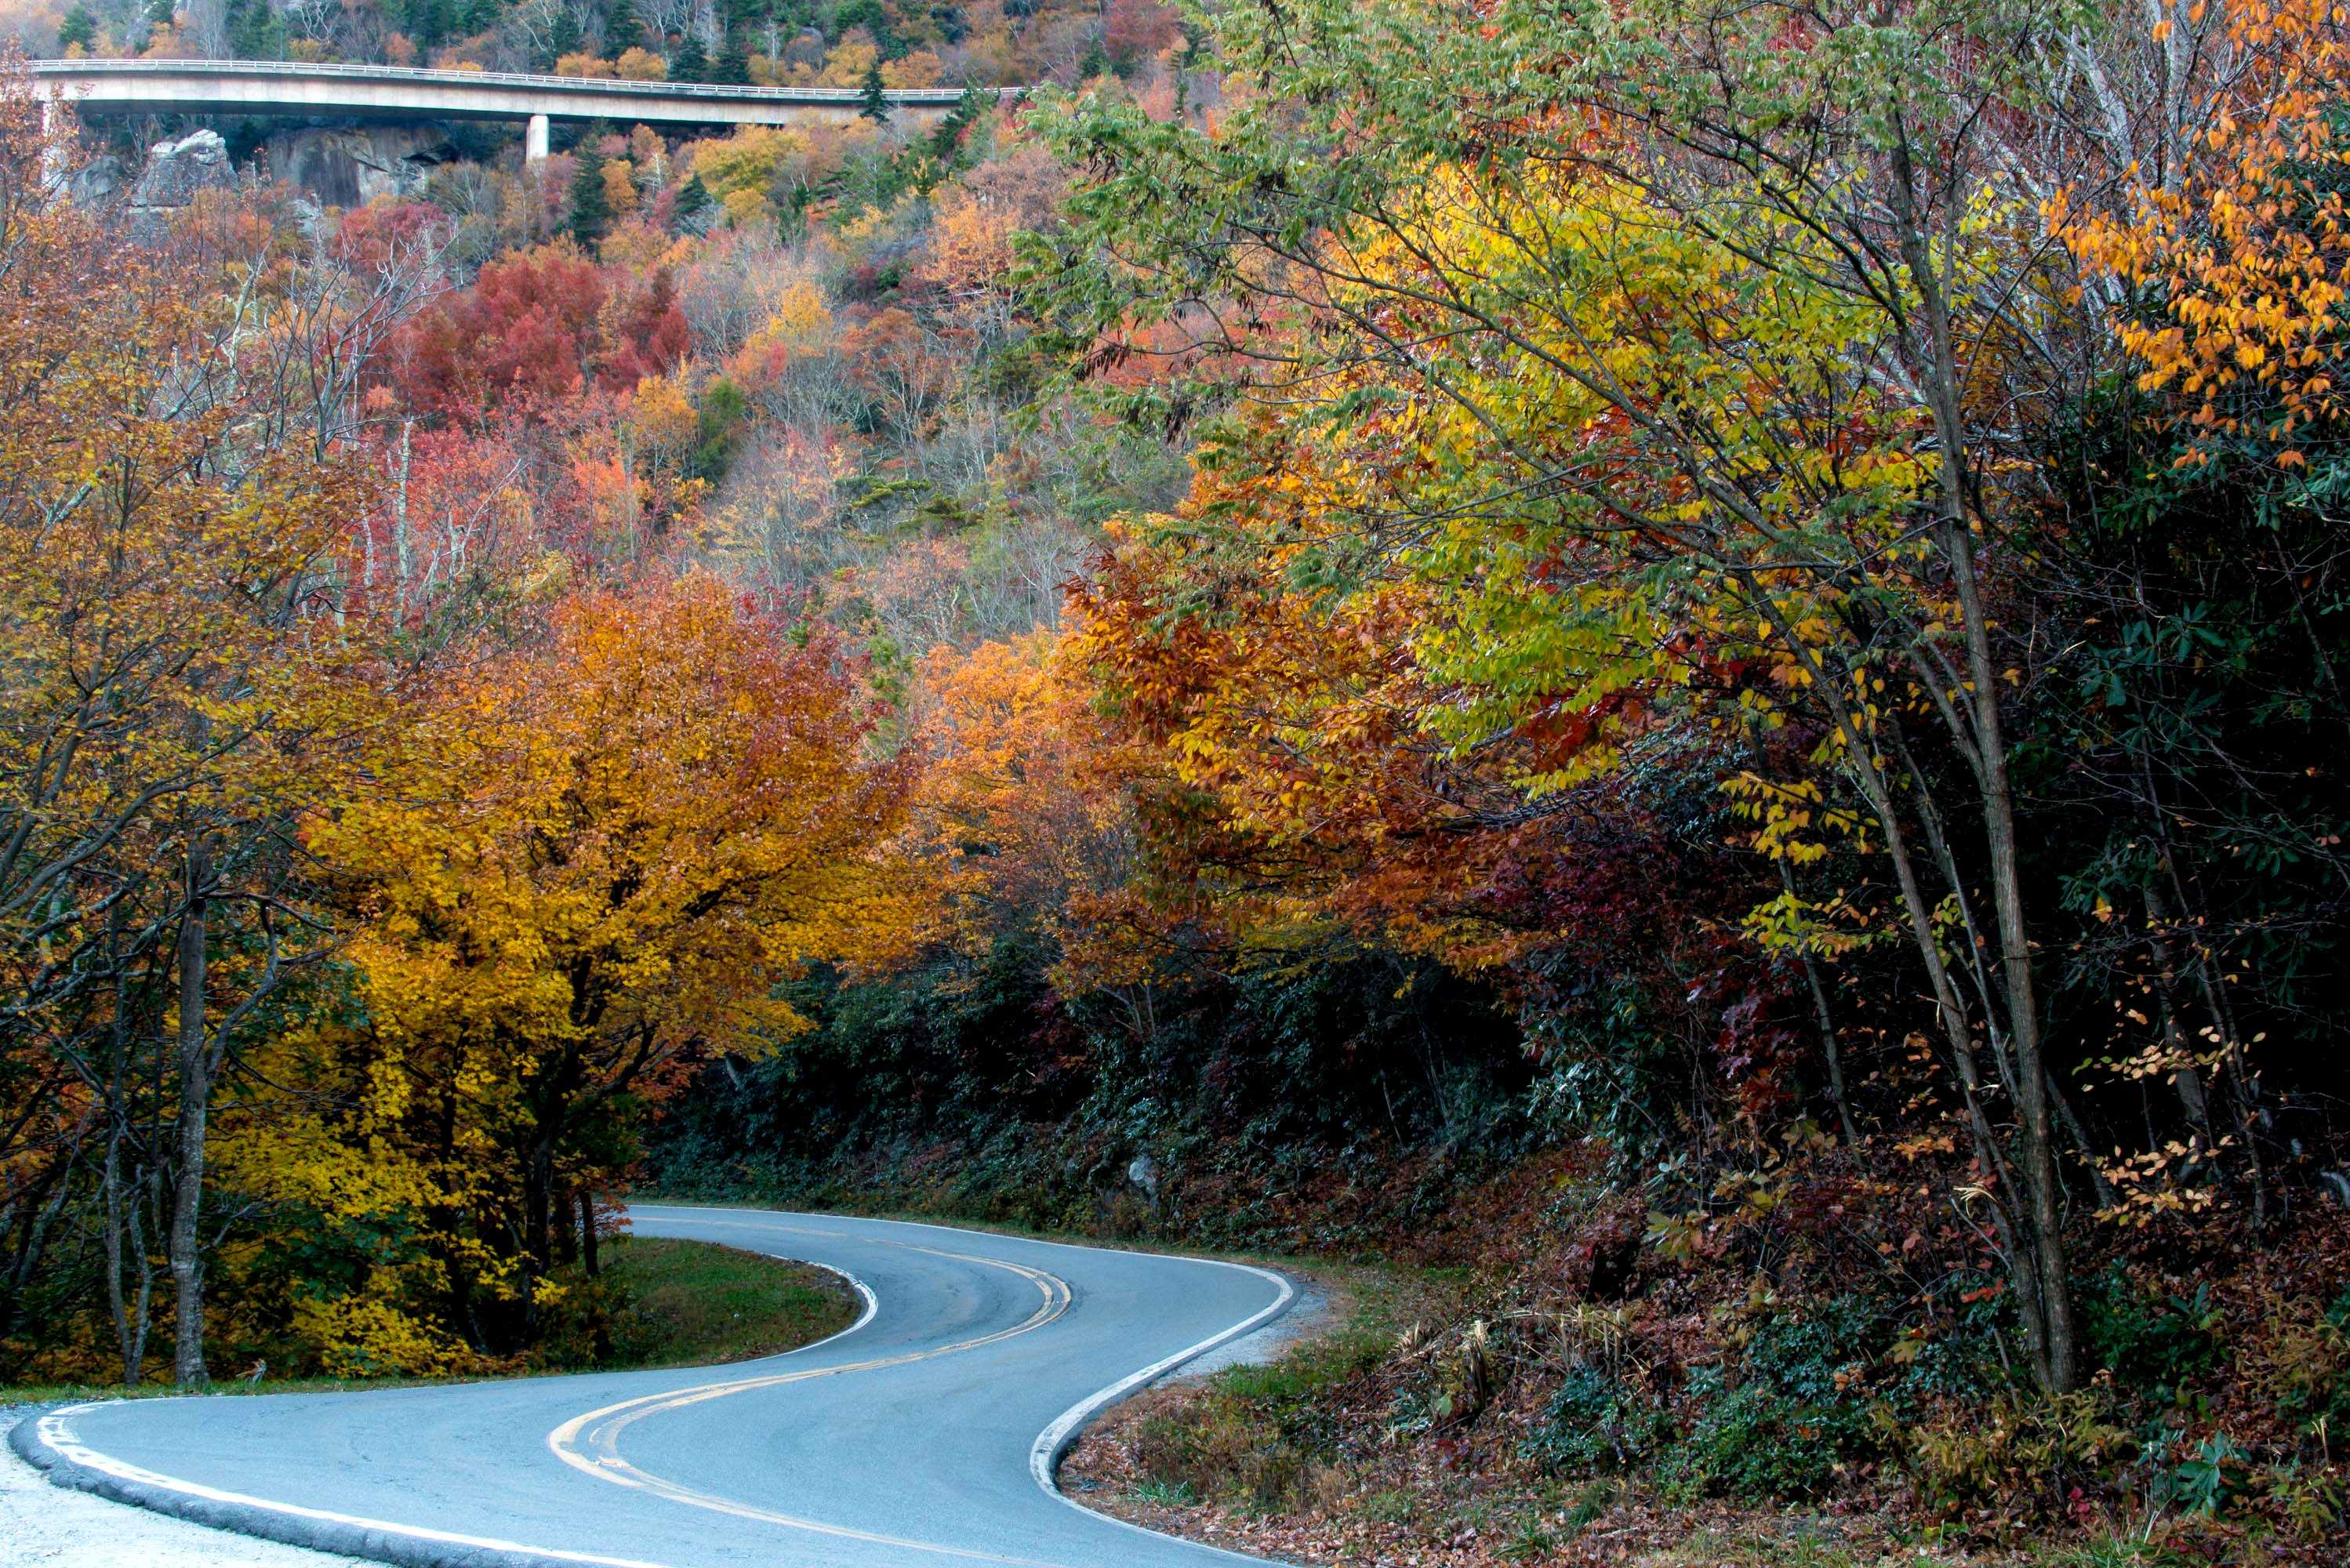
872,1304
1044,1455
566,1431
58,1438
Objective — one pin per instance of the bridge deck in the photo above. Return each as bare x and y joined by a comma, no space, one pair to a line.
403,92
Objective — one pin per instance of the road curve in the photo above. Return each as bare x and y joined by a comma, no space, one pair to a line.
923,1436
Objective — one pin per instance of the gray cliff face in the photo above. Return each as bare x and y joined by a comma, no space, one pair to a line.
349,166
177,172
334,166
98,181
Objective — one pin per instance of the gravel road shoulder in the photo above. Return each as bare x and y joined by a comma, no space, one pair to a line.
45,1524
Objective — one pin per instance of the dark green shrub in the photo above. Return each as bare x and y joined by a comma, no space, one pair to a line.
2208,1477
2151,1340
1595,1422
1755,1441
1795,1415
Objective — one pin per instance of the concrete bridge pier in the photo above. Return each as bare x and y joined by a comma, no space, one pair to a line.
56,160
534,141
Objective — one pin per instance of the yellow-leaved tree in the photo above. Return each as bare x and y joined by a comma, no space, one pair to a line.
645,825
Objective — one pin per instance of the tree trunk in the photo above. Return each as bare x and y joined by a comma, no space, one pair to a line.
538,1228
2029,1082
1827,1021
195,1093
124,1230
402,551
125,1226
2043,1194
587,1234
2013,1205
563,1234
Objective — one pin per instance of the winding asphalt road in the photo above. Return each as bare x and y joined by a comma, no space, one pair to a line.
924,1436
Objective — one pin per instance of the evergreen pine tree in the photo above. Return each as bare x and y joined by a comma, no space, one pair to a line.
562,39
946,139
254,31
691,61
733,64
623,28
874,104
692,200
590,210
428,21
79,27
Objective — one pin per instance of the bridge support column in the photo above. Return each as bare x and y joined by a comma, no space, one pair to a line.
55,167
534,141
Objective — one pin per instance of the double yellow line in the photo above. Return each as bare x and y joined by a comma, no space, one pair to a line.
590,1443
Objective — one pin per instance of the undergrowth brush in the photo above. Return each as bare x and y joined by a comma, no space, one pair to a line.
1556,1408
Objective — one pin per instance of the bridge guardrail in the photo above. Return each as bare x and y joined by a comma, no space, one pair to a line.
523,79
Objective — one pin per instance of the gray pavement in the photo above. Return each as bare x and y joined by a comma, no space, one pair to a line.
923,1438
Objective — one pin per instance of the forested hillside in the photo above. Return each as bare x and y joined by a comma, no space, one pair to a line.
468,654
1673,666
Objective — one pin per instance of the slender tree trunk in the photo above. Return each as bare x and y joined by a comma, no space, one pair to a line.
1827,1021
195,1093
2031,1080
125,1233
2036,1156
2014,1206
2011,1204
2032,1098
587,1234
125,1225
563,1235
401,549
132,1344
538,1228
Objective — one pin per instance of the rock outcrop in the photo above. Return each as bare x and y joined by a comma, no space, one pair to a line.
176,173
334,166
98,181
349,166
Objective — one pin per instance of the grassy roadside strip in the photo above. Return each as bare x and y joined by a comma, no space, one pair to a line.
698,1304
670,1304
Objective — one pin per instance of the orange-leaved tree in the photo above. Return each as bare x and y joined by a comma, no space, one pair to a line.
647,824
1299,719
1037,814
2234,226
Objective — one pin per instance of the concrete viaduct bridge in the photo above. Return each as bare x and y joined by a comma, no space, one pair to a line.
102,87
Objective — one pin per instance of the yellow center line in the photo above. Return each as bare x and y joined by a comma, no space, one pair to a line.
589,1443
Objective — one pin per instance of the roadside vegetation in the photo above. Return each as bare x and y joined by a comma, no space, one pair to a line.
651,1303
1680,662
1586,1444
